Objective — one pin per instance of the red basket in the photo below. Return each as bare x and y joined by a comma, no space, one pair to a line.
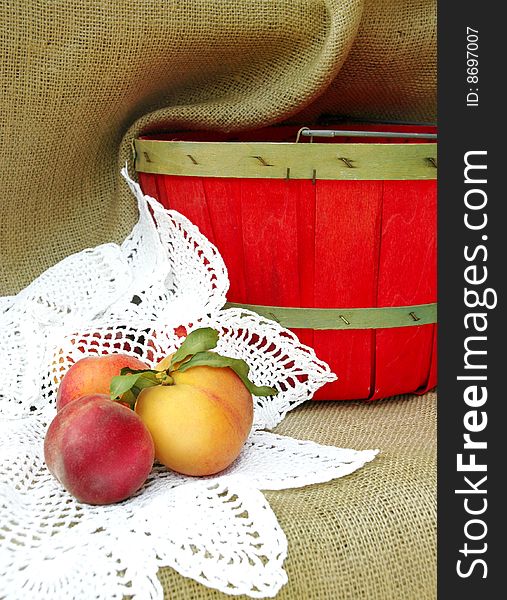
334,237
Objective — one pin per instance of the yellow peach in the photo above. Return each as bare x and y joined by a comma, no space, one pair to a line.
200,423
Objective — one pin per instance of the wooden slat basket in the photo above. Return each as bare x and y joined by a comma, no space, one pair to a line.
330,232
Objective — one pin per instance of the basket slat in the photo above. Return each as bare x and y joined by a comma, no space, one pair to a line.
346,256
408,231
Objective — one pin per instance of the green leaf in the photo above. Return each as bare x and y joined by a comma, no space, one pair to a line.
121,384
196,341
239,366
129,371
132,381
147,379
128,398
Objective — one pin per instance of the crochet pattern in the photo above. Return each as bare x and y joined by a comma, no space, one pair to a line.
142,298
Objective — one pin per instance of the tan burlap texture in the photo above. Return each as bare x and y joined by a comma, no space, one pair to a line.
81,78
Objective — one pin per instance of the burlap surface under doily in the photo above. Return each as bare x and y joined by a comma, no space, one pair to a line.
80,79
372,534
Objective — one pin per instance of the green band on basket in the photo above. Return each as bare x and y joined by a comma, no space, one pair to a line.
345,318
260,160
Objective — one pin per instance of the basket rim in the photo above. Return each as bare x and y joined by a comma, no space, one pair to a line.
286,160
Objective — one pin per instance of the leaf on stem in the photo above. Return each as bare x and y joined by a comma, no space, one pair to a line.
132,380
196,341
239,366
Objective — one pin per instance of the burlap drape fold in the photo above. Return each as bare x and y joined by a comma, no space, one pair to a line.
80,79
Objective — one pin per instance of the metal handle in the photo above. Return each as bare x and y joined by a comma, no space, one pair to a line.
307,132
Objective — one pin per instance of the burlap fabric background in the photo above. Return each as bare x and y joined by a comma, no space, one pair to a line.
81,78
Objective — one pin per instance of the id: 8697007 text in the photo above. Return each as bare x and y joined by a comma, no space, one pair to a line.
472,67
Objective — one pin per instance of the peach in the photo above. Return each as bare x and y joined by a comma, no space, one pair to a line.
200,423
100,451
92,375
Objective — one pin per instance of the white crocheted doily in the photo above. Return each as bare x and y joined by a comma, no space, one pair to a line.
142,297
